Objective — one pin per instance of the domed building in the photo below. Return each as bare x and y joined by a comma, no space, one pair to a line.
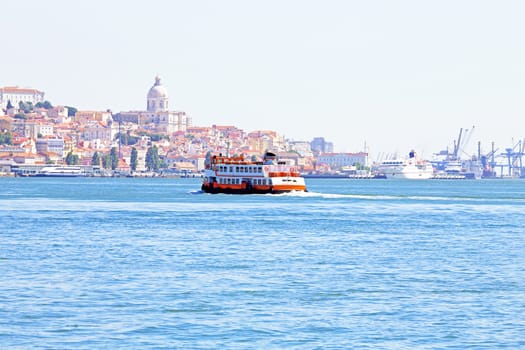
157,112
157,97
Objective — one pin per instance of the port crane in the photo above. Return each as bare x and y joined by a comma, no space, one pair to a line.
514,156
488,161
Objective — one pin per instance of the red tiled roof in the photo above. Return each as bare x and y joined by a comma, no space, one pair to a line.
19,90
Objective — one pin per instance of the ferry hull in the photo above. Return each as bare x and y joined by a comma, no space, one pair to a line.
247,190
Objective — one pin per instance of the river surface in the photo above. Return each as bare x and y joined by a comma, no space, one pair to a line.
94,263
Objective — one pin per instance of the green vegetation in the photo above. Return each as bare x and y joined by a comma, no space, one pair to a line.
134,159
45,104
154,137
106,161
72,159
20,116
71,111
95,161
127,139
152,159
6,138
27,107
113,157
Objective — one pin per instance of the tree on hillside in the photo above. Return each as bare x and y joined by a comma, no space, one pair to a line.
72,159
6,138
134,159
113,156
27,107
126,138
45,104
95,161
9,105
152,159
71,111
106,161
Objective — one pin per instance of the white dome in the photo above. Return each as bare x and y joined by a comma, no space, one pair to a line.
157,90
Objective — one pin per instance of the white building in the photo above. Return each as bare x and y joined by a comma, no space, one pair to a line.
17,94
338,160
54,145
157,112
99,131
301,147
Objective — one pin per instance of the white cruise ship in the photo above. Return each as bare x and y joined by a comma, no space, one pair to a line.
410,168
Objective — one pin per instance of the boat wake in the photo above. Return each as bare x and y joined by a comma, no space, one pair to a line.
320,195
196,192
375,197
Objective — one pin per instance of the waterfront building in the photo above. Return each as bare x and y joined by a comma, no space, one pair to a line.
16,94
339,160
192,163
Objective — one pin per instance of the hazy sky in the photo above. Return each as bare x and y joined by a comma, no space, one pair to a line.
392,74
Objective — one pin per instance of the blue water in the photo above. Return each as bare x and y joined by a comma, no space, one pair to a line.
353,264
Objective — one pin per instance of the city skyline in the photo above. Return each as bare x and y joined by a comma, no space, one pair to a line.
395,76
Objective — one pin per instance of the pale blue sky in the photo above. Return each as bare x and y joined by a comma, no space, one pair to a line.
393,74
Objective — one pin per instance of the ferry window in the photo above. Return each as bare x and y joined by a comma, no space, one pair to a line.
229,180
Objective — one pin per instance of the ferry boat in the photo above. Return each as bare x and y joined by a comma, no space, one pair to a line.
237,175
60,171
411,168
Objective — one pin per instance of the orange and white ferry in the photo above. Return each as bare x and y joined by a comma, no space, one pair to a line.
238,175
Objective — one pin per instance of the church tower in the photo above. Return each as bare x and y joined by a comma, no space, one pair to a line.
157,97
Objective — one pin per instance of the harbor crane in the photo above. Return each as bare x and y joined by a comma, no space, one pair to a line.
514,156
462,142
488,161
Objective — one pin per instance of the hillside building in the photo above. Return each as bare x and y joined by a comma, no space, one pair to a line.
17,94
157,112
